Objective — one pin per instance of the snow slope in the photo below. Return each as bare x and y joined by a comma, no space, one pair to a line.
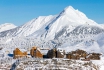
102,25
6,26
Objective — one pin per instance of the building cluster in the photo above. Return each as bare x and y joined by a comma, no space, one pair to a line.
56,53
83,55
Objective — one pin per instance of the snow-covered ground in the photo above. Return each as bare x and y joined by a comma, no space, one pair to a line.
46,64
57,63
99,63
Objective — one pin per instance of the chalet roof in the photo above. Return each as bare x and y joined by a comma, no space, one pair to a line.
43,51
22,50
34,47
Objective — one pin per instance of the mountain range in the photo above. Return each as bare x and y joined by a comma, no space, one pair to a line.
69,30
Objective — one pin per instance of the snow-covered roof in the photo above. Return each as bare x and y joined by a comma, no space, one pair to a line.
23,50
44,52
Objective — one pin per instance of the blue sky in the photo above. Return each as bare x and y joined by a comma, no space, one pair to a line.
19,12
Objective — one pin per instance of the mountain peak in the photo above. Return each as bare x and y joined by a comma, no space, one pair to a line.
68,8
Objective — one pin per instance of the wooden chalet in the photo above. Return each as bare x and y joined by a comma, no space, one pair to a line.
94,56
77,54
35,52
18,54
55,53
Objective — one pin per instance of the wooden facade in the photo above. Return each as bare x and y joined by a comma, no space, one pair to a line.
34,52
54,53
77,54
94,56
18,54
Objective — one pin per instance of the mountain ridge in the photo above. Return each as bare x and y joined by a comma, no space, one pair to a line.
70,28
7,26
54,23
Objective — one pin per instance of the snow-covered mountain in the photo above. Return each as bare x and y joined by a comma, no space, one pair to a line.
47,26
70,30
6,26
102,25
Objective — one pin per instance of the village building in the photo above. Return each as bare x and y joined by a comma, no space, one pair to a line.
35,52
18,54
83,55
94,56
78,54
56,53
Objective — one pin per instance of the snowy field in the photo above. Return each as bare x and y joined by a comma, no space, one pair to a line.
50,64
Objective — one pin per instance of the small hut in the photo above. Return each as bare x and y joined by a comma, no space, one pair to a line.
76,54
35,52
55,53
18,54
94,56
72,56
